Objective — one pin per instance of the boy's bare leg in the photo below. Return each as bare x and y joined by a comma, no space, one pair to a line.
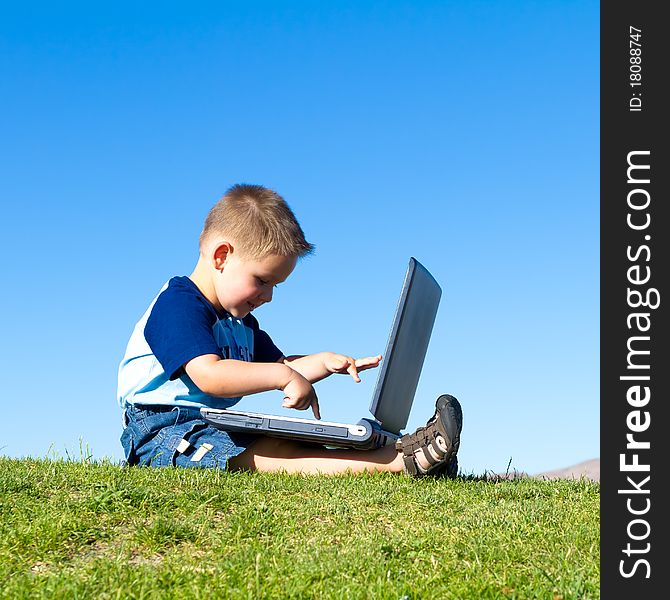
274,454
432,442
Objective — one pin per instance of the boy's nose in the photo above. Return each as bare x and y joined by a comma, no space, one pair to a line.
267,296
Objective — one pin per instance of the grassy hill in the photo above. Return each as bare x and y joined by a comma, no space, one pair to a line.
97,530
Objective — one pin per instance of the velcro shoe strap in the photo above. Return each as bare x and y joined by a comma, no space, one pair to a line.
437,457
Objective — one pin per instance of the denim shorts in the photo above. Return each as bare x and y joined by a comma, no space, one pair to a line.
164,436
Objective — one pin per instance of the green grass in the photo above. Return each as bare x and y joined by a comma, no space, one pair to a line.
97,530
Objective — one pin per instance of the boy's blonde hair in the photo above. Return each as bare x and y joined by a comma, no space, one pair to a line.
259,221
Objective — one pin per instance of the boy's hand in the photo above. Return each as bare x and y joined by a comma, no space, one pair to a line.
339,363
300,394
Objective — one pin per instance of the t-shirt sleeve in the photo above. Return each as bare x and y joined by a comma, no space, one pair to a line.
264,348
179,329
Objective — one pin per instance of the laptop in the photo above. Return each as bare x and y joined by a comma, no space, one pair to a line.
394,391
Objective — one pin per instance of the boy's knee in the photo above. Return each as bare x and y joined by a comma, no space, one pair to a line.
277,447
267,453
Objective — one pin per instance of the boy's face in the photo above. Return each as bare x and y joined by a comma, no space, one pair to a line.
244,284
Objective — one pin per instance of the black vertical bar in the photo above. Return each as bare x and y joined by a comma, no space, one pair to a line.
635,360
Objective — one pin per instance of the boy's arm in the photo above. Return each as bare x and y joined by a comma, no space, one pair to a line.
230,378
315,367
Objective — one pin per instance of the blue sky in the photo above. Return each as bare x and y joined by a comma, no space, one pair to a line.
465,134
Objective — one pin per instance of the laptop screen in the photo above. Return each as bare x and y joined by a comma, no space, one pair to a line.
406,348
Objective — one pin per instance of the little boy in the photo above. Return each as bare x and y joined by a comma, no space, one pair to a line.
198,345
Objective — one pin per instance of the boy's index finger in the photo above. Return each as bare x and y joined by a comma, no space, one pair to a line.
369,360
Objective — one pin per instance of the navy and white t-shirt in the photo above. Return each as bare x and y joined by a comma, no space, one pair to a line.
179,325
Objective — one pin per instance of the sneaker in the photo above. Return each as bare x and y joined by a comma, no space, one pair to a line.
438,441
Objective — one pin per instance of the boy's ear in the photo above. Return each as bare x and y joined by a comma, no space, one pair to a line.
221,254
